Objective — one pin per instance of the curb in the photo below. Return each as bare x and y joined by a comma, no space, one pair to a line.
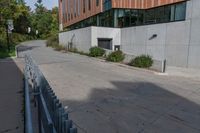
125,66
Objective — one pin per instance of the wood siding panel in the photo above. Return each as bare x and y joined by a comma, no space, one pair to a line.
141,4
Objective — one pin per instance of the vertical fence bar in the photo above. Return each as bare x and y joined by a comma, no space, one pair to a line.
52,117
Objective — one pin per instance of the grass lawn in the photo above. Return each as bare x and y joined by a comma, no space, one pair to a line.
5,53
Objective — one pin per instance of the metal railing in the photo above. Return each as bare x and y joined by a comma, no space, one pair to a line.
52,117
28,113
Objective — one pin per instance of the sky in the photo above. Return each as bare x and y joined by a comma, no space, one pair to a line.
47,3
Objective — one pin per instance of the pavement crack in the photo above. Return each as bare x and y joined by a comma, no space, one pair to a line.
176,117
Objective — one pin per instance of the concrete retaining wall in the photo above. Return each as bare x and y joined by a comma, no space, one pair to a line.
177,42
81,38
171,42
85,38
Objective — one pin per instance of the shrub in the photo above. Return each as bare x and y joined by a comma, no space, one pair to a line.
96,52
143,61
74,50
52,41
83,53
59,47
116,56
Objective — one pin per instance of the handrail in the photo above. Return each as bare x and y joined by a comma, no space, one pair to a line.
28,114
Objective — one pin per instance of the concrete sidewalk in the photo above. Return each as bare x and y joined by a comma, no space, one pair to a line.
11,96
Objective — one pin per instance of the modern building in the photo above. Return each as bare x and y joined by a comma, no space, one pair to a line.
167,30
119,13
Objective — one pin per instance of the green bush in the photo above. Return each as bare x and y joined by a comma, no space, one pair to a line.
83,53
59,47
143,61
116,56
74,50
52,41
96,52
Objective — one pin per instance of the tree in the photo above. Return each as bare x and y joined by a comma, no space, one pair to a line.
44,20
55,24
41,19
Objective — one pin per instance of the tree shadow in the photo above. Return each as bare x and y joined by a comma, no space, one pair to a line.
136,107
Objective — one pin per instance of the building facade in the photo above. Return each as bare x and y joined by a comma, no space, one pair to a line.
119,13
167,30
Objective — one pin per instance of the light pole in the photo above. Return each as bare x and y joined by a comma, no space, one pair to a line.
9,28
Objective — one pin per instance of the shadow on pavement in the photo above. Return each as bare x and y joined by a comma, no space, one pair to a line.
135,107
23,48
11,96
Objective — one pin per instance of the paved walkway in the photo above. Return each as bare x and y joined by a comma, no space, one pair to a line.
103,97
11,102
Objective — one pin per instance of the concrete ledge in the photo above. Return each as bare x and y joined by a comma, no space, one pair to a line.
184,72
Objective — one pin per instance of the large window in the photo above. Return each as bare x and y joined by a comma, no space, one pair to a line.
133,17
107,19
168,13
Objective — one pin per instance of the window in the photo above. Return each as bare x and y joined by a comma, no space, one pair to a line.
134,17
107,19
107,4
127,18
89,4
172,15
180,11
78,8
160,14
84,4
97,2
75,6
150,16
69,11
120,18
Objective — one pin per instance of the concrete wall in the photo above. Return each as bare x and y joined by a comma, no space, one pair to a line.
194,49
81,38
177,42
102,32
88,37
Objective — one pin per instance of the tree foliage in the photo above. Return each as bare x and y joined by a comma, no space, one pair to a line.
41,19
44,20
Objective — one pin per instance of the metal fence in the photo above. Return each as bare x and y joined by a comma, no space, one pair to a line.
52,117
